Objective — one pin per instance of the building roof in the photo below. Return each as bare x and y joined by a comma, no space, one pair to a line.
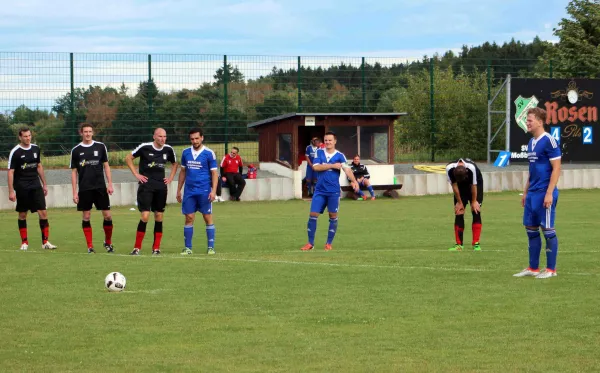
290,115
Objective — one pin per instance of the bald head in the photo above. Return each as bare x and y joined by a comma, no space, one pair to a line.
160,137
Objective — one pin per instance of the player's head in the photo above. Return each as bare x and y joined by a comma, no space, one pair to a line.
330,140
356,159
315,141
460,173
25,136
196,137
536,117
160,137
234,152
86,131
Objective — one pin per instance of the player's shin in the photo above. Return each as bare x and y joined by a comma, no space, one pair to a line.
210,235
535,247
158,233
108,230
333,224
551,248
312,229
139,235
370,189
23,231
459,228
188,233
476,227
45,229
87,232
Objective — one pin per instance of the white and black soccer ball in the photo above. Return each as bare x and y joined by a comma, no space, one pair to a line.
115,281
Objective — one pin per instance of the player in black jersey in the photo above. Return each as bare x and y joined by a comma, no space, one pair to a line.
152,190
467,185
89,163
24,174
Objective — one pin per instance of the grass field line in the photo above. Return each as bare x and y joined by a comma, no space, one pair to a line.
308,263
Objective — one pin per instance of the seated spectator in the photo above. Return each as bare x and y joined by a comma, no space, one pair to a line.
361,174
231,173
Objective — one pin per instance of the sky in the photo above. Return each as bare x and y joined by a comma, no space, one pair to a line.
394,28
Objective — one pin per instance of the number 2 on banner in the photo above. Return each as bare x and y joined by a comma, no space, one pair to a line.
555,132
587,135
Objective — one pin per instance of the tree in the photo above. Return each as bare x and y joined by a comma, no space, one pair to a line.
277,103
234,76
577,54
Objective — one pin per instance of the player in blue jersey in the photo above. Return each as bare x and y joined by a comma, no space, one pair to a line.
311,174
199,174
541,195
328,164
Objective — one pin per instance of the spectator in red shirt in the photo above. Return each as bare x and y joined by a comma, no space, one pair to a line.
231,173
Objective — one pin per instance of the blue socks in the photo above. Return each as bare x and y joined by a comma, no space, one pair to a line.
333,223
188,233
210,236
312,229
370,188
535,247
551,248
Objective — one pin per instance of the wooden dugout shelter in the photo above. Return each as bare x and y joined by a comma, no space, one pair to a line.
283,139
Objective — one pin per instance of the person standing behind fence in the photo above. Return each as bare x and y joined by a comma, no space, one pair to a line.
152,190
24,174
231,173
89,163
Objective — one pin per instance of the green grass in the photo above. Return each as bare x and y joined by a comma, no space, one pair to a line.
248,151
388,298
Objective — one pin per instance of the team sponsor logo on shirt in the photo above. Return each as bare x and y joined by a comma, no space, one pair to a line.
165,157
35,155
91,162
156,165
28,165
95,153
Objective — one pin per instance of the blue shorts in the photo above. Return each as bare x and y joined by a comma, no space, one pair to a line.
535,214
310,173
196,202
320,201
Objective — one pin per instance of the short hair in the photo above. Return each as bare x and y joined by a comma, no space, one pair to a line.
331,133
196,130
539,113
84,125
460,173
158,128
236,148
23,129
356,155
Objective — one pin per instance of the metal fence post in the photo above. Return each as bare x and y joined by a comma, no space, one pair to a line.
363,86
73,119
432,108
148,93
489,80
225,101
299,84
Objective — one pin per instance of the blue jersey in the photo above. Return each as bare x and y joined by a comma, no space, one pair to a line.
540,152
311,152
329,181
198,166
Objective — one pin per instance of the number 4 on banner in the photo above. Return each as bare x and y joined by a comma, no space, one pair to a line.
502,160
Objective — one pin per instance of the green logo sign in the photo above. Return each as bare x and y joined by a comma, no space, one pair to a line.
523,104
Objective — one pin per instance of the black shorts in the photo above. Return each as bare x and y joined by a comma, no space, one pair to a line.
30,200
149,199
466,195
96,197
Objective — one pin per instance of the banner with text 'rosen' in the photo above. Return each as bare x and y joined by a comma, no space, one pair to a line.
572,107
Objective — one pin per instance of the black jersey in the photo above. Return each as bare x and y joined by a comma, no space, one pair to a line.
152,163
89,162
474,176
25,162
359,171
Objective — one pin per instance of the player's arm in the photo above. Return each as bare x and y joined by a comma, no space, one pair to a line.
327,166
40,170
457,193
350,175
174,167
108,174
525,192
74,185
129,160
180,182
307,155
553,181
11,190
214,181
475,207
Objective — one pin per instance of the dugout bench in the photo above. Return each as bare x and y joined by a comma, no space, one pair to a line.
390,190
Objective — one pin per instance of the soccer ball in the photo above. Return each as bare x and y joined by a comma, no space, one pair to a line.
115,281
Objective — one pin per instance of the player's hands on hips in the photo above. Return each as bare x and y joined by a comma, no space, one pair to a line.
548,200
110,189
141,178
475,207
12,196
459,208
179,199
45,189
212,196
167,181
75,198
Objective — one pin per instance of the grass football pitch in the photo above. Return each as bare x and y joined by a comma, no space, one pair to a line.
388,298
